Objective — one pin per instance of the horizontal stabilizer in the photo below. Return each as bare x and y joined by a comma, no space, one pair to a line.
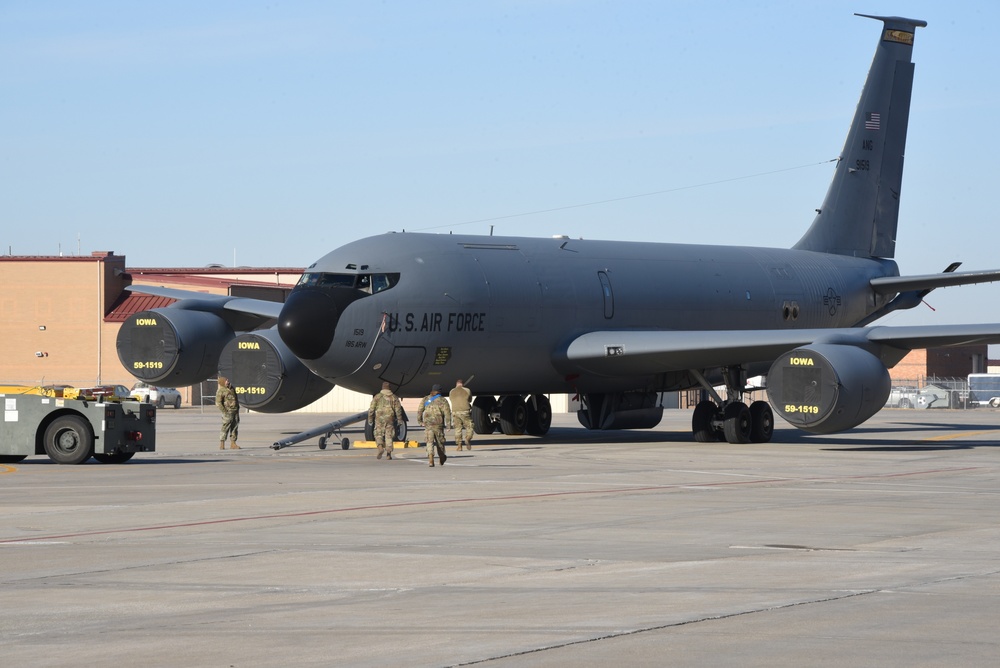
893,284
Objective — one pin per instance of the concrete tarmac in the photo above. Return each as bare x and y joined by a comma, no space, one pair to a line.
879,547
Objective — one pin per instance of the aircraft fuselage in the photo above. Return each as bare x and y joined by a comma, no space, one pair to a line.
502,308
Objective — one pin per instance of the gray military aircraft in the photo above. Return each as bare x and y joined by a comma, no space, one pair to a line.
615,322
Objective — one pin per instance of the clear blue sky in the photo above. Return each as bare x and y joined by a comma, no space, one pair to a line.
187,133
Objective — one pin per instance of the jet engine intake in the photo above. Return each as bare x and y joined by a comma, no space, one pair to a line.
172,346
266,376
826,388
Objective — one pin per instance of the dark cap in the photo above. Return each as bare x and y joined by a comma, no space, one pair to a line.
385,385
435,388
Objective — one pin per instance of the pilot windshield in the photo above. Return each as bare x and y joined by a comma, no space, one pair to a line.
369,283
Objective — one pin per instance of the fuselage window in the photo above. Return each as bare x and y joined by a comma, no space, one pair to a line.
609,296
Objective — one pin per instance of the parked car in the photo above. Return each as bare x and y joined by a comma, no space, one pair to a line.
153,394
112,392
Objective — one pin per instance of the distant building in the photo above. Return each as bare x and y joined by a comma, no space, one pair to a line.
60,315
957,362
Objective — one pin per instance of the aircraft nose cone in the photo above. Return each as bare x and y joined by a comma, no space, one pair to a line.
307,323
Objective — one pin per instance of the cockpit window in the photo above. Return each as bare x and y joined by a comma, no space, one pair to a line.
368,283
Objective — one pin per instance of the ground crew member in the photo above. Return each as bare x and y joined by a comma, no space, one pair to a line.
435,416
227,402
461,411
385,412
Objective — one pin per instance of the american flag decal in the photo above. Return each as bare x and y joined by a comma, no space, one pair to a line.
873,120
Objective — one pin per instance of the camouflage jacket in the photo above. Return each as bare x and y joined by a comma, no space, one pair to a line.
385,408
434,411
226,400
461,398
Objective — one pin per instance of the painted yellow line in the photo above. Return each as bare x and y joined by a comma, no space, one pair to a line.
7,469
395,444
961,434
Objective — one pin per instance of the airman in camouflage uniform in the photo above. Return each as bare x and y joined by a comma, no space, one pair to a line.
385,412
435,415
461,411
229,405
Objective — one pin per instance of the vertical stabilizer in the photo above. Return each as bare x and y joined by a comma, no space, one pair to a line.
861,208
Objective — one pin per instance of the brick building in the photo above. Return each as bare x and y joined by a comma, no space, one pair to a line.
958,362
60,315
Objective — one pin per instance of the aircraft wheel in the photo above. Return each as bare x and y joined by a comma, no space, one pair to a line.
539,417
761,422
11,459
401,429
322,443
369,431
68,440
482,415
345,444
513,415
113,457
701,422
736,423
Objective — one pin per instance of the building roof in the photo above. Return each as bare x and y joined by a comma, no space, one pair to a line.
130,303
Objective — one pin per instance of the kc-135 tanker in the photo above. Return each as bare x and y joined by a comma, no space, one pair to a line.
616,323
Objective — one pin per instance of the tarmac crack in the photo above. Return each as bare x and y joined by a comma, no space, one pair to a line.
661,627
119,569
733,615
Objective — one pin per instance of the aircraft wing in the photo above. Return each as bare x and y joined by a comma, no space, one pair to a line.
214,303
620,353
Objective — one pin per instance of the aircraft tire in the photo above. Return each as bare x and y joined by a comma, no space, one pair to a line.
761,422
113,457
701,422
68,440
401,429
369,431
482,415
539,417
345,443
736,423
513,415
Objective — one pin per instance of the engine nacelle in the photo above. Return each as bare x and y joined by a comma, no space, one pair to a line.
172,346
826,388
266,376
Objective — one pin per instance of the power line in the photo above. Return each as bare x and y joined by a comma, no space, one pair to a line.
628,197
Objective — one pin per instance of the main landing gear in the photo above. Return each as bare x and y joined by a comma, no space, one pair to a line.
732,421
512,414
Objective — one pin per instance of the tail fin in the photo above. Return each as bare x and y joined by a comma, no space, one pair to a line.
861,208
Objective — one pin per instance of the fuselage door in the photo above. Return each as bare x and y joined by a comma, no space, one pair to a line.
403,364
609,296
